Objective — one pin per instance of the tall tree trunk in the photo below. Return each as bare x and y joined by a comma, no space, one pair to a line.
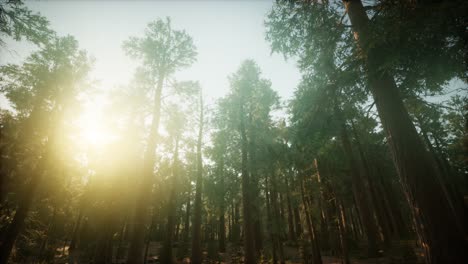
249,235
343,230
443,235
222,222
270,223
276,218
135,251
49,230
297,221
18,220
231,220
374,200
316,256
196,225
104,239
323,204
291,233
166,254
448,177
148,240
254,189
187,216
359,188
119,254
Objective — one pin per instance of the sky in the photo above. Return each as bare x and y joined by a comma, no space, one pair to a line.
224,32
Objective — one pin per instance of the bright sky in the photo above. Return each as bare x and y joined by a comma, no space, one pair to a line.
225,33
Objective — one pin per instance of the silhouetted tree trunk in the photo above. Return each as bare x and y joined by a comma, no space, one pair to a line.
119,254
196,225
148,240
276,218
343,230
297,221
249,235
20,215
291,233
222,222
103,250
166,254
45,240
359,188
253,182
135,252
374,200
323,207
270,219
316,256
187,216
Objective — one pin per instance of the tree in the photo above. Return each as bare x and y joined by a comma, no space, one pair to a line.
390,79
42,90
162,51
196,235
419,174
18,22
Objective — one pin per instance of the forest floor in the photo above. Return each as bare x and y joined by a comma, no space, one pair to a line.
234,255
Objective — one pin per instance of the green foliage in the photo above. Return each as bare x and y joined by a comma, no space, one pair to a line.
18,22
162,49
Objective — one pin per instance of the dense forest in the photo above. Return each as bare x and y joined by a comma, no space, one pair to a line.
366,163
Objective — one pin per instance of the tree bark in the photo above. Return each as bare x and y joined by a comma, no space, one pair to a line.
291,233
316,256
166,255
343,231
135,252
222,222
360,191
276,218
18,220
375,201
196,226
187,216
249,236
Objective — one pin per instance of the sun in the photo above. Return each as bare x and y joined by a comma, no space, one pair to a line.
92,127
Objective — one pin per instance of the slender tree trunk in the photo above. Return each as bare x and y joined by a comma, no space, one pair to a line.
148,241
222,222
343,231
353,225
101,254
297,221
270,220
119,254
47,234
316,256
323,204
237,232
231,220
291,233
276,218
187,217
443,235
249,235
18,220
253,182
135,252
450,182
166,255
360,191
196,226
374,201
